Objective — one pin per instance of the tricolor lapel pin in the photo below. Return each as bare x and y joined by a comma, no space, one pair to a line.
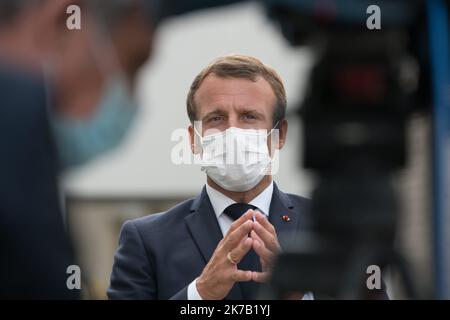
285,218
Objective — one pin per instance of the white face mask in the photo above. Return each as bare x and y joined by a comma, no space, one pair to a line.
236,159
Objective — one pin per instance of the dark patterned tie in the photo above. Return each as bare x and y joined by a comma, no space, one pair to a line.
251,260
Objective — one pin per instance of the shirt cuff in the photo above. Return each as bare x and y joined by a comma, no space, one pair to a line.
192,293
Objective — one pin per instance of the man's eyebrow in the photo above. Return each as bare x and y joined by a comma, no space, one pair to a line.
256,111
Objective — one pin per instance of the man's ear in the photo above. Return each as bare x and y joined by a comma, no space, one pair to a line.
282,133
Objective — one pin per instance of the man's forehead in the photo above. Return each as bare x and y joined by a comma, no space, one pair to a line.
240,92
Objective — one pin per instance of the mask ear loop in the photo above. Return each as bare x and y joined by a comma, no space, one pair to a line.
198,133
273,128
197,137
272,145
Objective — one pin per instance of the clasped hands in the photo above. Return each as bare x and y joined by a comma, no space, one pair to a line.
221,272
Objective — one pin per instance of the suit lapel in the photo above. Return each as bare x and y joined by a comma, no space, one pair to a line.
205,231
281,206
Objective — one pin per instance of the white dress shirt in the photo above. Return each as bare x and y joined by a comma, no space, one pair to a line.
220,202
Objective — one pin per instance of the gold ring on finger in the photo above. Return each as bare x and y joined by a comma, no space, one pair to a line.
230,258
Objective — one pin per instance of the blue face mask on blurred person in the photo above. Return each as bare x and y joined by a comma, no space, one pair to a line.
79,141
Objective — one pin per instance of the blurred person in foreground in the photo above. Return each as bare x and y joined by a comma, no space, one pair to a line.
59,89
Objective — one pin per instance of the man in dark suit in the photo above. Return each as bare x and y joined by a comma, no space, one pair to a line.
221,243
161,254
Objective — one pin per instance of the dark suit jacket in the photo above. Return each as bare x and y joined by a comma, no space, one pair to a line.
34,248
161,254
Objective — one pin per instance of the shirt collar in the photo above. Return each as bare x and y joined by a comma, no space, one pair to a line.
220,202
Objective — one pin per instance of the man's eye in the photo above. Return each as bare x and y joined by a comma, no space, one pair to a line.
249,116
216,118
